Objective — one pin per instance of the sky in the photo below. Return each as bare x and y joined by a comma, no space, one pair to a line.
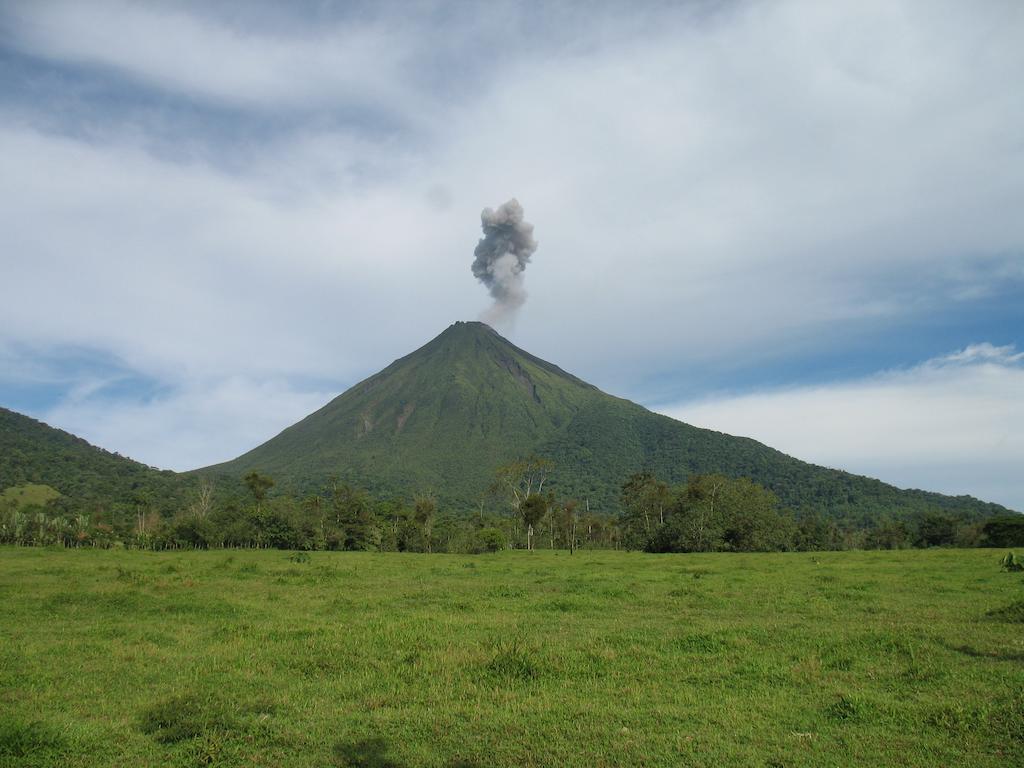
795,221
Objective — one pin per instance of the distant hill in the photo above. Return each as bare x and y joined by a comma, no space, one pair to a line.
34,454
446,416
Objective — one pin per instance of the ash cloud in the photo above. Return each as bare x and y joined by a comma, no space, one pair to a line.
501,258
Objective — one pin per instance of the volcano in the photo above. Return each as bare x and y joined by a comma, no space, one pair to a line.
443,418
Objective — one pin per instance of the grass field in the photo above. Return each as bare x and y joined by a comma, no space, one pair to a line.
30,493
114,658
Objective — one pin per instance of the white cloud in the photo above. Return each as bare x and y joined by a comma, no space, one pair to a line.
705,189
954,424
181,271
981,353
166,46
202,424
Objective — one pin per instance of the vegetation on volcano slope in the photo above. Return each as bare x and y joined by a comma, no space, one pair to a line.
74,494
604,658
88,479
28,495
445,417
437,423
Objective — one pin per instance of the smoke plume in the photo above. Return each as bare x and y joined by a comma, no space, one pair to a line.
501,257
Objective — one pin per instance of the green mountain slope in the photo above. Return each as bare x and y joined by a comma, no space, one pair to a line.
446,416
86,476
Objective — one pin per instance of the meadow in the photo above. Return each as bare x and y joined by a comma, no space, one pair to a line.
130,658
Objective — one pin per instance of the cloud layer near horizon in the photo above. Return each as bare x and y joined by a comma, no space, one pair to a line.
953,424
208,199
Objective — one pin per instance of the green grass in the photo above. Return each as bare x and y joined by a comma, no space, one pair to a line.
599,659
26,495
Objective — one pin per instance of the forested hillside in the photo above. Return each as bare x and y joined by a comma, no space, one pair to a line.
88,478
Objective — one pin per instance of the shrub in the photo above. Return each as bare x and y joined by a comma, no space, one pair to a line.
1011,563
489,540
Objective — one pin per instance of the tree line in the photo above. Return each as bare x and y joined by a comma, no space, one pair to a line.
339,516
707,513
714,513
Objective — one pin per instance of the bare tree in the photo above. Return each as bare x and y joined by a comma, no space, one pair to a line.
203,501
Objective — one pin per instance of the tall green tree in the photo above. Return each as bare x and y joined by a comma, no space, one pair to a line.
888,534
644,500
1006,531
258,486
355,523
424,513
716,513
533,509
936,529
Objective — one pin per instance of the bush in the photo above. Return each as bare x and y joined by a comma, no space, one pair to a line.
936,529
1011,563
1005,531
489,540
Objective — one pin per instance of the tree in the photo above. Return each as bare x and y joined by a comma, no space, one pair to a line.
192,531
644,500
570,519
888,534
258,486
936,529
424,513
203,500
752,519
236,528
533,509
354,520
697,518
815,532
1005,531
141,501
522,479
488,540
713,512
314,504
